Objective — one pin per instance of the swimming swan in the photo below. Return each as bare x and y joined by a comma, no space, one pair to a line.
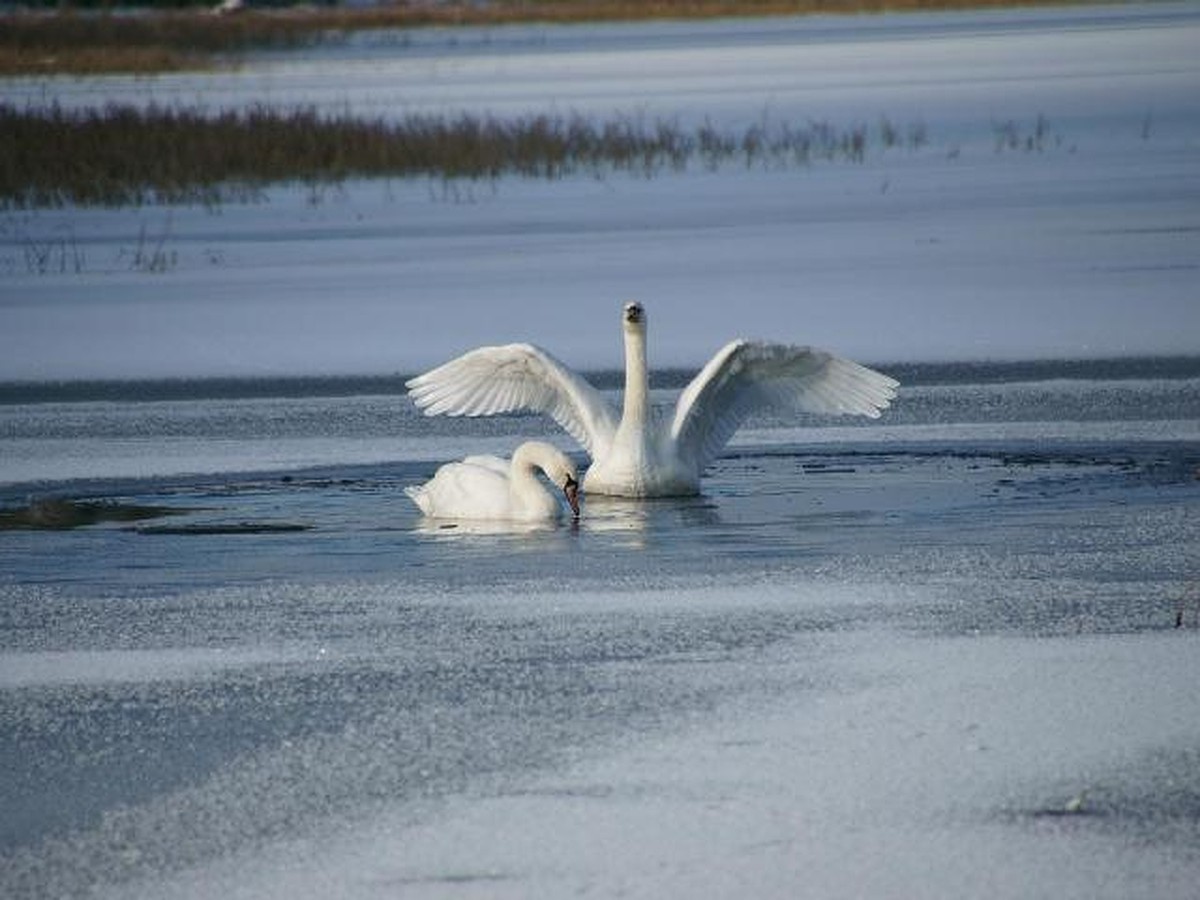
494,489
641,454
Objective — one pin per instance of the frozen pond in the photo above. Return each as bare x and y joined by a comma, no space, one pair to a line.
944,642
1050,209
1084,68
949,653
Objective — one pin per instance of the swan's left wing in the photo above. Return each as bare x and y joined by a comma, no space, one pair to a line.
515,377
747,376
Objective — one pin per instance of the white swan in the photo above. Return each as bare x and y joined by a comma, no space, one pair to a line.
494,489
639,453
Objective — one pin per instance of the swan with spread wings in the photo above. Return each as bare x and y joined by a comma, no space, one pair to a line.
641,452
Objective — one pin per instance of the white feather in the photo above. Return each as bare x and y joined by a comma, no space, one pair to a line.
488,488
747,377
642,454
512,378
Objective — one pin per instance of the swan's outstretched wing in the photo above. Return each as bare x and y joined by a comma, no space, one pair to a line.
512,378
746,376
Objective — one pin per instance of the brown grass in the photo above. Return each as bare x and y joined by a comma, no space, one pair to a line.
70,42
122,155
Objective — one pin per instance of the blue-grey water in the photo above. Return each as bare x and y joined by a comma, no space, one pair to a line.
293,649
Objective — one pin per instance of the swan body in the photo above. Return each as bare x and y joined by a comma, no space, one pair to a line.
488,488
642,452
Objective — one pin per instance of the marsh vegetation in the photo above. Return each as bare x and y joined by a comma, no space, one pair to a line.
122,155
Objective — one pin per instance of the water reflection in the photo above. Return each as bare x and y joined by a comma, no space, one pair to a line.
453,529
625,522
633,519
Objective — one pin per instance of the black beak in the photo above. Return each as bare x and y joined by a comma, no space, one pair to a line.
571,490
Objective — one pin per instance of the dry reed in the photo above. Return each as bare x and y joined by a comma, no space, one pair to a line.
123,155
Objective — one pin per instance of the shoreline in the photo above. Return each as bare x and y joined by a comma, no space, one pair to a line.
147,43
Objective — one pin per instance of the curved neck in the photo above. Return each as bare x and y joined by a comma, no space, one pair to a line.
528,494
637,379
527,460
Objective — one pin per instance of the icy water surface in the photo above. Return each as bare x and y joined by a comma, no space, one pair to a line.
952,653
292,685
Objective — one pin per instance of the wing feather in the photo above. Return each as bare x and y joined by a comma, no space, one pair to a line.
517,377
745,377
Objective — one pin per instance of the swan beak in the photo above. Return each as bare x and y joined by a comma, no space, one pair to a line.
633,313
571,490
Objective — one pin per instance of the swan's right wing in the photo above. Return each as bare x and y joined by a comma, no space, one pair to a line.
512,378
748,376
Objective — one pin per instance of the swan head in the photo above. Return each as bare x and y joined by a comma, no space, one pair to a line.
634,317
556,466
571,492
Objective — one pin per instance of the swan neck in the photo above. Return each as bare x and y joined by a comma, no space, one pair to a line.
526,461
637,379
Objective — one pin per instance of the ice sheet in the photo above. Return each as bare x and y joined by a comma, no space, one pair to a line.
933,656
1085,245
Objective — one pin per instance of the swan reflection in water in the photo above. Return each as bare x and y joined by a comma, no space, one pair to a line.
627,522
